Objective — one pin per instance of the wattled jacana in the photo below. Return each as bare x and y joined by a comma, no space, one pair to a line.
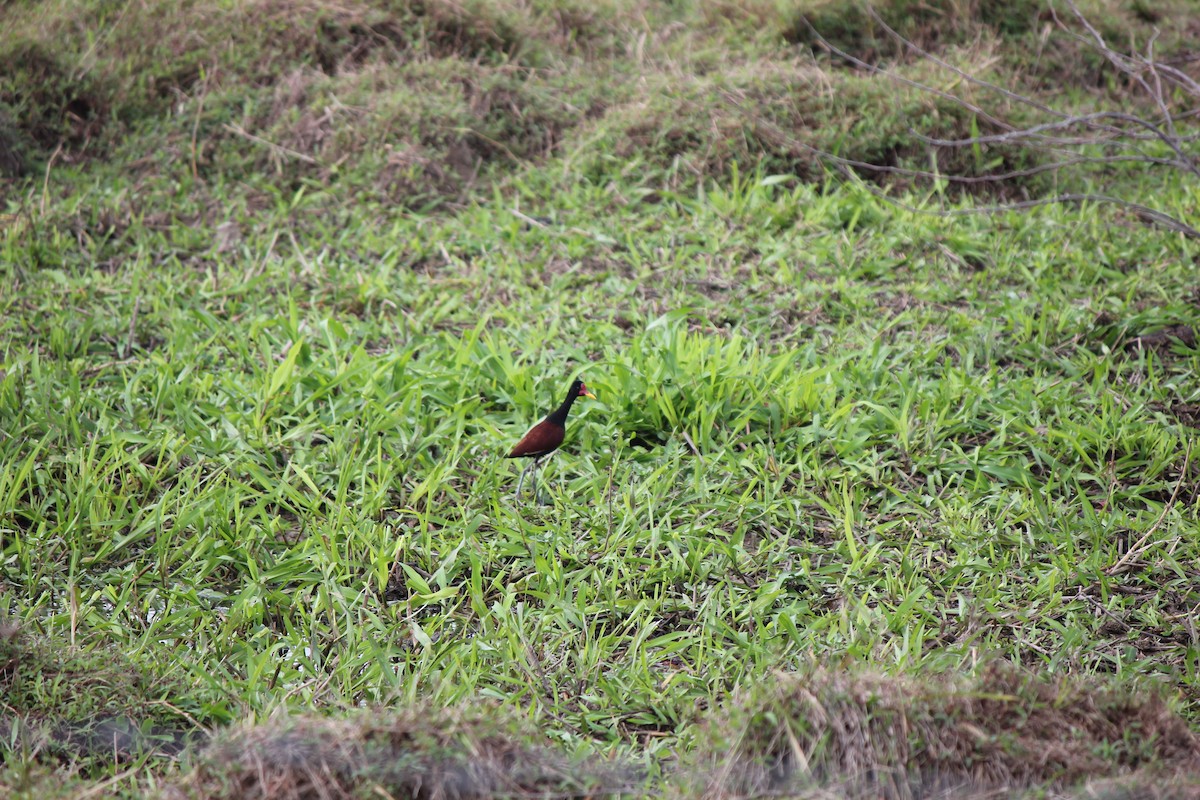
545,437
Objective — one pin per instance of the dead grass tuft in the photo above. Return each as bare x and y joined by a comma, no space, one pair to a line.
932,25
428,103
413,753
875,736
471,30
1039,47
790,116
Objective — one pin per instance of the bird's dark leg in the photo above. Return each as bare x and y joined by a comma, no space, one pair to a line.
541,501
520,481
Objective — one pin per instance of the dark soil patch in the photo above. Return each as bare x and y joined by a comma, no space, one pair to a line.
48,105
91,709
1187,413
1148,329
1163,340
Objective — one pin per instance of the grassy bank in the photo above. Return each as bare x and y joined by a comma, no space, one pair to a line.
284,282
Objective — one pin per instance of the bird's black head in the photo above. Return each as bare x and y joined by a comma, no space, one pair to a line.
579,389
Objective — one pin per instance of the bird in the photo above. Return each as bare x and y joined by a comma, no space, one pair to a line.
545,437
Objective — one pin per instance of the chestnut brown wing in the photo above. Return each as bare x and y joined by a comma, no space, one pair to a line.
543,438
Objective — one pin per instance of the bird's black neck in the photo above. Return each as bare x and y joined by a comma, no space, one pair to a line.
559,415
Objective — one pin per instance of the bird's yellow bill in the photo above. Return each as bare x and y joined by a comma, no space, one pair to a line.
587,393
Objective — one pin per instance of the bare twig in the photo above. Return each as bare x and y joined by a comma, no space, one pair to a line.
974,79
96,369
1145,212
1144,544
924,87
128,349
612,468
1071,140
196,121
274,148
46,181
993,177
1185,161
847,166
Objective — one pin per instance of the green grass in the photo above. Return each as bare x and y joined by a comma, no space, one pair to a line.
912,448
251,432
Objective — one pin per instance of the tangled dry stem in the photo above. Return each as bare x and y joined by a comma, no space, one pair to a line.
1068,139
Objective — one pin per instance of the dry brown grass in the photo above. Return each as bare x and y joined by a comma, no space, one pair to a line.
1002,732
428,104
821,734
426,753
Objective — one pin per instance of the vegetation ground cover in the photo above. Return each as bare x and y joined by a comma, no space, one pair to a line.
279,296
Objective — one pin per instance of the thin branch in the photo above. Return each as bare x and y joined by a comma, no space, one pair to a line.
46,181
1066,120
128,350
1153,215
1157,91
1121,134
873,69
1124,64
272,146
995,177
1084,119
1011,95
1141,546
1178,77
1069,159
